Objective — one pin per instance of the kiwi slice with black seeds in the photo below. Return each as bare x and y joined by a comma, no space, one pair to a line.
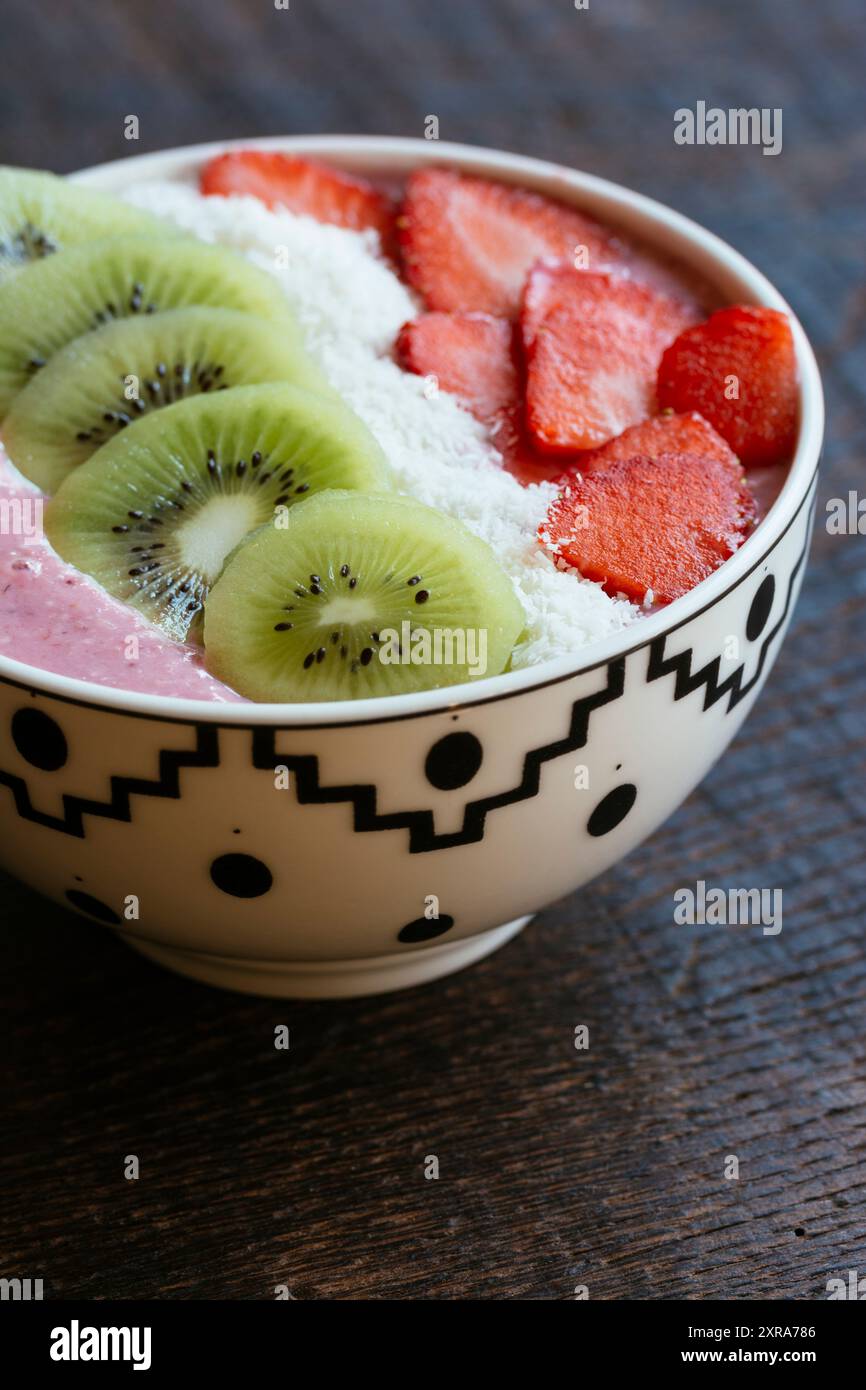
54,301
153,514
41,213
359,596
102,382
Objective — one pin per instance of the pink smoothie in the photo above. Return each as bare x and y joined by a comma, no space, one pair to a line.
54,617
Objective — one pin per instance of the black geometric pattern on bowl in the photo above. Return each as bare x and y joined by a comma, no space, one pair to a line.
734,685
309,791
119,806
421,824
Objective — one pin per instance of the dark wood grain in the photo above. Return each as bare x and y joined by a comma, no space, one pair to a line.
557,1167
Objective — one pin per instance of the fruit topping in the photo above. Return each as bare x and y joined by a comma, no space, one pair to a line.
738,368
359,596
662,434
303,186
104,381
56,300
153,514
593,343
41,213
474,356
469,243
650,528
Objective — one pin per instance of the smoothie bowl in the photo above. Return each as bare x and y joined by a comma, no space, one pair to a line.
387,567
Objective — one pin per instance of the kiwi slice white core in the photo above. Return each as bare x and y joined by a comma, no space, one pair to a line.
339,610
153,514
203,542
359,596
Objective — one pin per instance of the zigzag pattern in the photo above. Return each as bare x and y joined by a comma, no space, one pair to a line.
75,808
421,824
734,686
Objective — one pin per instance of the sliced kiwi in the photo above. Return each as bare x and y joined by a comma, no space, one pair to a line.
41,213
153,514
359,596
56,300
103,381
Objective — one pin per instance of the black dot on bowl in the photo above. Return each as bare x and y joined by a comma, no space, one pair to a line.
453,761
92,907
39,739
612,809
241,875
425,929
760,609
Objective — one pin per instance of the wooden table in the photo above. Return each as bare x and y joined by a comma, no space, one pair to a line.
557,1167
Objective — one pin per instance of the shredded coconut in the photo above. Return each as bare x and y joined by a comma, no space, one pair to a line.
351,305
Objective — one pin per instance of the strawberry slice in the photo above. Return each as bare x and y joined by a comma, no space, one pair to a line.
303,186
468,243
663,434
471,355
474,356
650,528
739,370
593,342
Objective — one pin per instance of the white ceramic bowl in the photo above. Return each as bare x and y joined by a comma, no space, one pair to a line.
461,799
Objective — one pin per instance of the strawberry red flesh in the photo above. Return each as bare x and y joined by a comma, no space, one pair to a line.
303,186
650,528
468,243
663,434
593,342
474,356
471,355
738,368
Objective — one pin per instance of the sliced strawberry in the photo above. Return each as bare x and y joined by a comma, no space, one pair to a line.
739,370
474,356
663,434
303,186
593,343
471,355
650,528
468,243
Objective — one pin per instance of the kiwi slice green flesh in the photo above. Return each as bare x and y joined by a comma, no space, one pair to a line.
103,381
54,301
41,213
346,600
153,514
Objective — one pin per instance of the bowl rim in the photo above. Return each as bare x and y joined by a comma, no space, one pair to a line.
633,211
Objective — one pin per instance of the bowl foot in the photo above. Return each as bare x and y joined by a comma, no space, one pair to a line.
342,979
